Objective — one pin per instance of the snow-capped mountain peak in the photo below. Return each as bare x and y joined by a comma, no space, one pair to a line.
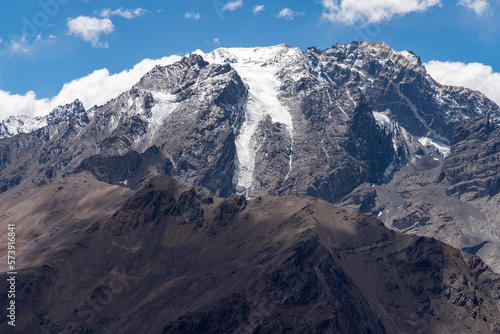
258,69
271,56
269,118
15,125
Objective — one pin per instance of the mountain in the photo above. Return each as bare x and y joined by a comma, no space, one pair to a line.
357,124
152,213
15,125
171,258
274,120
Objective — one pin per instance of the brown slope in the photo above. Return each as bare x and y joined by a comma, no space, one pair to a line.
175,259
47,218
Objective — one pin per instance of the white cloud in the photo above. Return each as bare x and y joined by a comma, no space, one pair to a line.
258,9
90,29
287,13
96,88
1,41
217,41
233,5
20,45
23,46
126,13
192,15
41,39
473,75
478,6
371,11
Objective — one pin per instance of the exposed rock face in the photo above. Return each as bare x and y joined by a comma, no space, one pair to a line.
175,259
473,167
399,82
337,144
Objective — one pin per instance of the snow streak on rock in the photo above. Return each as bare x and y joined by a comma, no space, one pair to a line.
257,68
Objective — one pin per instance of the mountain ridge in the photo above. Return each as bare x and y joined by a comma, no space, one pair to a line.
20,124
271,264
138,108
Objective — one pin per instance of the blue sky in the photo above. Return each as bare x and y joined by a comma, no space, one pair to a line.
48,43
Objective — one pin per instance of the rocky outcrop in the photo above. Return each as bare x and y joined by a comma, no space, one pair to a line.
473,167
131,170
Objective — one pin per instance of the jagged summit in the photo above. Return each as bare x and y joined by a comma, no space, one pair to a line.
271,56
15,125
65,113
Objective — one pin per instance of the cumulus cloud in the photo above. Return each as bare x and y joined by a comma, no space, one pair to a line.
91,29
473,75
126,13
478,6
258,9
233,5
371,11
192,15
96,88
287,13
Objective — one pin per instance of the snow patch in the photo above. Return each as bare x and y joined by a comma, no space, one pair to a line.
262,100
164,105
442,148
21,124
388,171
410,57
382,119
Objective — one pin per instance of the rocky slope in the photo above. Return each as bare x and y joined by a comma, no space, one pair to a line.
455,199
175,259
397,83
